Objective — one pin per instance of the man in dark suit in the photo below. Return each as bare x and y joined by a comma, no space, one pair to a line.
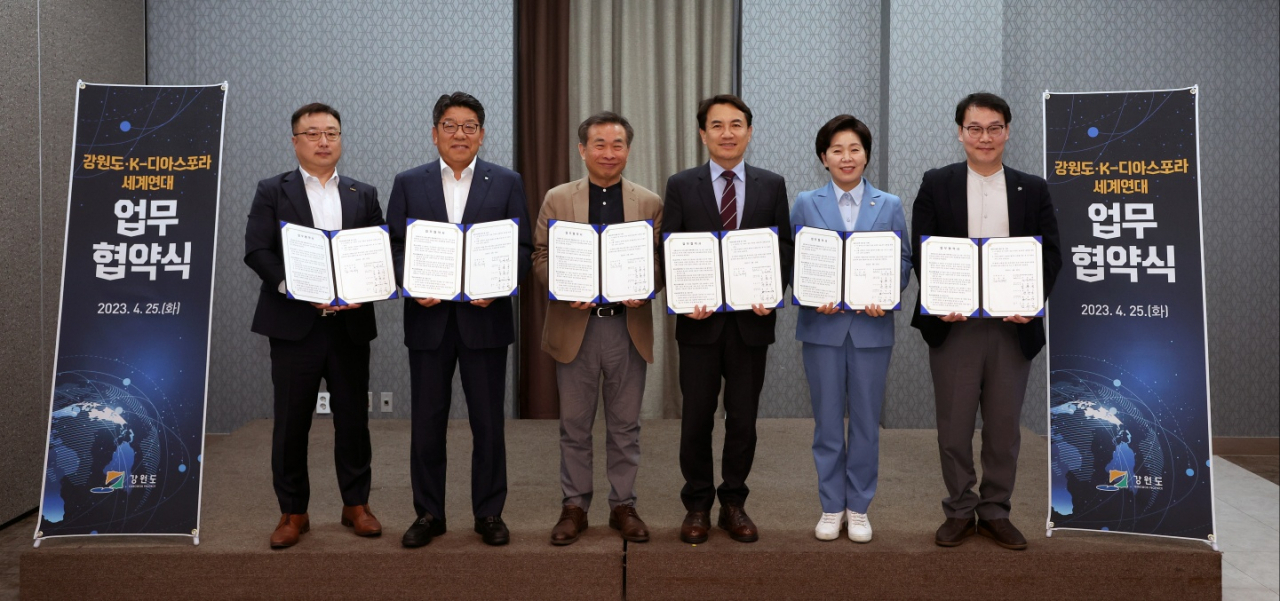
982,365
442,334
311,341
724,194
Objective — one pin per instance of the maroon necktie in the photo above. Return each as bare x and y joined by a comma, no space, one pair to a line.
728,203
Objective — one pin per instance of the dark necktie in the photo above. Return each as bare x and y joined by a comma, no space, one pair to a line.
729,203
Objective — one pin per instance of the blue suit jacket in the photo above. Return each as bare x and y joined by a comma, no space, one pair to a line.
496,193
879,211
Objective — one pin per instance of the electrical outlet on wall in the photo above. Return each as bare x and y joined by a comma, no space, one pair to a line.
386,402
322,403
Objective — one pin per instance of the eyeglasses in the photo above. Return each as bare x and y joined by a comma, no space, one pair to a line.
314,136
469,128
975,131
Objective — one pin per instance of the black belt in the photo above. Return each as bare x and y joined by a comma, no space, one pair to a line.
609,310
327,312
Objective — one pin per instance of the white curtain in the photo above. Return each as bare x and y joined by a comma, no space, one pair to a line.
651,62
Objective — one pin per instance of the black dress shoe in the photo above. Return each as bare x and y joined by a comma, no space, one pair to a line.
422,531
493,531
1003,532
953,532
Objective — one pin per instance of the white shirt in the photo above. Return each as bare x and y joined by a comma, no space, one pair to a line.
739,185
988,205
456,190
326,207
849,207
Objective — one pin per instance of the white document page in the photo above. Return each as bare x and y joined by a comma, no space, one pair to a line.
433,260
693,271
949,276
817,267
308,271
1012,277
752,269
362,265
627,261
573,262
491,261
873,270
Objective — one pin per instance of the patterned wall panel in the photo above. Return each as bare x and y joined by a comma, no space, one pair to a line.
382,64
1230,50
934,61
821,60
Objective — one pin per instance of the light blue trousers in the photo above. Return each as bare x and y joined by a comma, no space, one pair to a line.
845,378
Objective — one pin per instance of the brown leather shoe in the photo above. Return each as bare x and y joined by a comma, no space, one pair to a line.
695,527
291,526
734,519
573,522
359,517
623,518
1003,532
953,532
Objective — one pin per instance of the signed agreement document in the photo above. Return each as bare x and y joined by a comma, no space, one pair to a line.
817,267
433,260
626,262
1012,277
362,265
573,261
490,259
752,269
692,271
337,267
873,270
308,264
948,276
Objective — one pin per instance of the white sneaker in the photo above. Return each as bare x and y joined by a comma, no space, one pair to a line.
828,527
859,526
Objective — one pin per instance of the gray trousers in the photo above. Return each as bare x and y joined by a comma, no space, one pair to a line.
979,367
606,349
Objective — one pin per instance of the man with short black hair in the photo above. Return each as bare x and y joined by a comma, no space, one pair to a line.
724,194
590,340
443,335
311,341
982,365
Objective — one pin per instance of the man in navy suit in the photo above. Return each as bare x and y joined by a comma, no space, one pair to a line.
311,341
982,365
442,334
724,194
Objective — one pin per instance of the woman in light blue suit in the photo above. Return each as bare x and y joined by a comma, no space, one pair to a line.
846,353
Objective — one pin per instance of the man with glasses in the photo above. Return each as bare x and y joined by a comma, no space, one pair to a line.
442,334
310,341
983,364
724,194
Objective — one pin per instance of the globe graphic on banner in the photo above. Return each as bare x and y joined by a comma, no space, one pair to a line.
1109,455
106,443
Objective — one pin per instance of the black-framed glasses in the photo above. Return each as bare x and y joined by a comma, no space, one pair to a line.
469,128
975,131
314,136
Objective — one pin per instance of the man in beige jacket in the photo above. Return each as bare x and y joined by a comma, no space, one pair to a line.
589,339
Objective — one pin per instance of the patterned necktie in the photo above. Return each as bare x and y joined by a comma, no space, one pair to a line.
729,203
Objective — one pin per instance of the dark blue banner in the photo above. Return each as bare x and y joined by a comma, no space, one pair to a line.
126,426
1128,376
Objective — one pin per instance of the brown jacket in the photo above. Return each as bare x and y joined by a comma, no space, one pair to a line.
565,326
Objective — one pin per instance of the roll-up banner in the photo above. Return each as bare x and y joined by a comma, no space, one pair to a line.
1128,364
127,414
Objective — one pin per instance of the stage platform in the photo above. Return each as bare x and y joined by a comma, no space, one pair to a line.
233,559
